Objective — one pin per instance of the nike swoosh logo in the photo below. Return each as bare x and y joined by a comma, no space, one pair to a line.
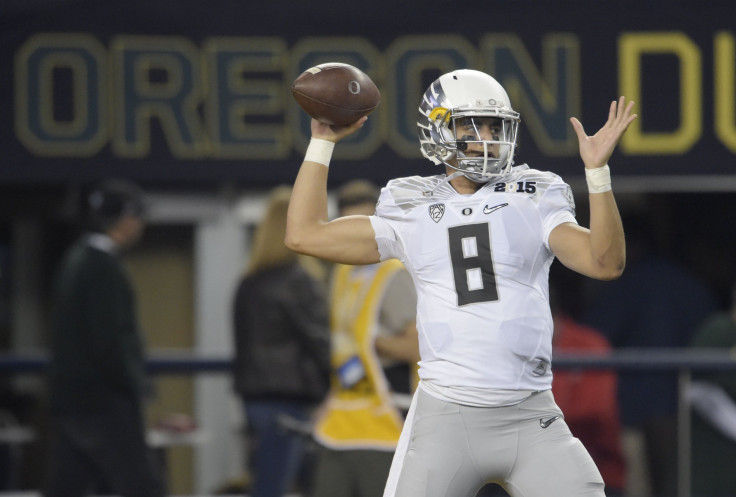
488,210
544,423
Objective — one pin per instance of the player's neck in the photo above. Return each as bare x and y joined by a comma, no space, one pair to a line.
463,185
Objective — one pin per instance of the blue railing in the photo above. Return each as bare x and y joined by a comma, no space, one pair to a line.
682,362
659,359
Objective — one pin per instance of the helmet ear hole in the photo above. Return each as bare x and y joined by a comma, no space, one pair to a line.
446,133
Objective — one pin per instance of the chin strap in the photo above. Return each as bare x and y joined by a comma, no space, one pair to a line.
446,180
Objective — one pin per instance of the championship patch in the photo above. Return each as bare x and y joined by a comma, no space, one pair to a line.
436,211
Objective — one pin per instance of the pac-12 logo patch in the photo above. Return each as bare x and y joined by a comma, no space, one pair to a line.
436,211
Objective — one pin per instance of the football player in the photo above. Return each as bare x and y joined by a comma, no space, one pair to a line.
478,241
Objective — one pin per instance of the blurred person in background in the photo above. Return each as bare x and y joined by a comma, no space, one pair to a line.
657,303
589,398
713,400
374,354
97,377
282,351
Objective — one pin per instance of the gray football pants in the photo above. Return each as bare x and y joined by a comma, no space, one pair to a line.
451,450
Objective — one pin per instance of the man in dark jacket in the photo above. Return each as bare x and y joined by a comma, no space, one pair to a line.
97,372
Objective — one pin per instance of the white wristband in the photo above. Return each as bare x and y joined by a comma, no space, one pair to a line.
319,151
598,179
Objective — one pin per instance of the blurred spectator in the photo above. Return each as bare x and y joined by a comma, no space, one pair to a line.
97,374
655,304
282,350
374,353
17,433
713,398
589,400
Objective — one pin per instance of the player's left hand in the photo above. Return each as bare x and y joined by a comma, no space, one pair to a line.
597,149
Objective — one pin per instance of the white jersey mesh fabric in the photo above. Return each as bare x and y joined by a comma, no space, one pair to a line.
480,264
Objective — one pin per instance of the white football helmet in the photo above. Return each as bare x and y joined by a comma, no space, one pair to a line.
467,94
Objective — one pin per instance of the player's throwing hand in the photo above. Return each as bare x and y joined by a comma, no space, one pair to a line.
335,133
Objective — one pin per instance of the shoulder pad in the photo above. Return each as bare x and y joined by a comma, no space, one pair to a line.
412,191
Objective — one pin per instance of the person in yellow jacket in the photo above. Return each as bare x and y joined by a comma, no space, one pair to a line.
374,356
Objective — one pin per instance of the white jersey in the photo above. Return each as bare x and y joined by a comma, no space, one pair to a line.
480,264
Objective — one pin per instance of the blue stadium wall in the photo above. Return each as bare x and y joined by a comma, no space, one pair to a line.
197,92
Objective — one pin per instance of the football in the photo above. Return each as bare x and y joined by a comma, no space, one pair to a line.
336,93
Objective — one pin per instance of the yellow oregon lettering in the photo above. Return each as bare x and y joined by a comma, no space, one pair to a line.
632,46
724,105
245,106
241,83
546,98
157,77
35,124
